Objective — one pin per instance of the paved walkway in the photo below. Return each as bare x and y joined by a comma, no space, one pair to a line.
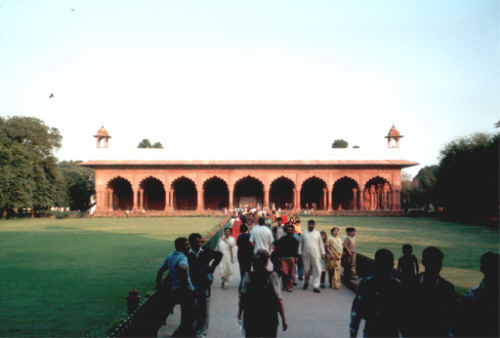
309,314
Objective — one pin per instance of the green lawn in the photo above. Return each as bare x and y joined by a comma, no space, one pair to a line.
461,244
70,277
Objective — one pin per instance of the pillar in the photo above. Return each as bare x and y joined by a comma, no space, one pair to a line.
361,199
355,198
299,205
231,199
109,199
330,198
294,198
167,200
199,199
141,199
323,206
266,197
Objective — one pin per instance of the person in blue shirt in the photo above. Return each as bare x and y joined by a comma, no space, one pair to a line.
182,288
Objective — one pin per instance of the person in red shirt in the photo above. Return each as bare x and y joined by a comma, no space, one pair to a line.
236,227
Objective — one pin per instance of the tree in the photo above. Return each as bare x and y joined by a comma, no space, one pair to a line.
467,178
76,185
28,167
157,145
340,144
145,143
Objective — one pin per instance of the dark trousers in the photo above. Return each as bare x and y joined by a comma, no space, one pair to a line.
185,298
245,265
202,301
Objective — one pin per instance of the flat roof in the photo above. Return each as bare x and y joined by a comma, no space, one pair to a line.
334,157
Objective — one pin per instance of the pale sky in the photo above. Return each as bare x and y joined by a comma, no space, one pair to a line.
253,76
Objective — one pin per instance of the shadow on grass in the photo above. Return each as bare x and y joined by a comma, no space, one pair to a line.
72,283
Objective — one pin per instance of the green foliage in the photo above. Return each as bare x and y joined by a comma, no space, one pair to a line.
30,176
421,191
77,185
467,178
28,167
340,143
145,143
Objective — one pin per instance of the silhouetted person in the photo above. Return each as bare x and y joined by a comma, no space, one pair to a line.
407,266
479,306
260,299
377,300
202,264
434,299
182,288
245,251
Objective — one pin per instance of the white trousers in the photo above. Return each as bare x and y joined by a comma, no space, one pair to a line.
312,269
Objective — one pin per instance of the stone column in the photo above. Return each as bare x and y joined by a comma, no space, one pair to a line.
167,200
361,199
109,199
323,206
141,199
298,199
393,204
231,199
355,198
199,200
135,194
265,203
330,198
398,199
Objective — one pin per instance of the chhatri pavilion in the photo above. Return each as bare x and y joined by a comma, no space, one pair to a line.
161,182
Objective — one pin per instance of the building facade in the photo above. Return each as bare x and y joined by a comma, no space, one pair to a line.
155,182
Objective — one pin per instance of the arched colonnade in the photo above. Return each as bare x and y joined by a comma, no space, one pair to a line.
215,193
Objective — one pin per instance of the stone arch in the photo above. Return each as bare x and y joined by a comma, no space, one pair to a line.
248,192
120,195
312,193
153,194
184,194
345,193
215,193
281,193
377,194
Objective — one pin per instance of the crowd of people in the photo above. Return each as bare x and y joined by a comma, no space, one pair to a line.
274,253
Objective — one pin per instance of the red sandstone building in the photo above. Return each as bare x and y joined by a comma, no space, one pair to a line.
159,182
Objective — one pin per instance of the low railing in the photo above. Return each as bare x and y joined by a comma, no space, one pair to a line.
147,319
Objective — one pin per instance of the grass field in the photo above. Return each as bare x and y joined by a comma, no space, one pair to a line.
461,244
70,277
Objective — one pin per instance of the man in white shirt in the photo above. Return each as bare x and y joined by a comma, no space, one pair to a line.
261,237
312,250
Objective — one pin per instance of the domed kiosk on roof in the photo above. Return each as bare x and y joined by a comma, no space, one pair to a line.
102,134
393,137
142,182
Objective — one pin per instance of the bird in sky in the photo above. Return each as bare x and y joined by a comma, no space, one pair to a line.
51,95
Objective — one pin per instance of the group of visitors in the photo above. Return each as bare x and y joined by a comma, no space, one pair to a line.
270,256
191,266
414,304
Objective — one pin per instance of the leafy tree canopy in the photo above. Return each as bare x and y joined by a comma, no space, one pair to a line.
145,143
467,178
340,143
